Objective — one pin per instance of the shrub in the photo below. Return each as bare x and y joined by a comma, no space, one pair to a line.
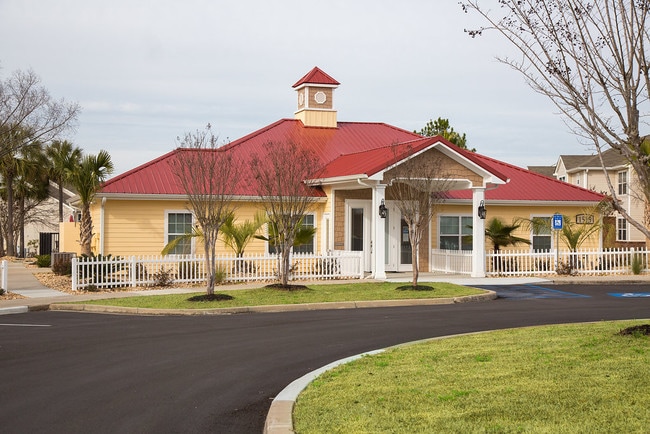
220,274
43,260
637,264
62,267
163,277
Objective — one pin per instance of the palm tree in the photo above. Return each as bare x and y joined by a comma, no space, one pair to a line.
63,158
87,177
13,165
30,189
501,235
237,236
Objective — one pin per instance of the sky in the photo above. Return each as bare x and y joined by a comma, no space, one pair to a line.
146,72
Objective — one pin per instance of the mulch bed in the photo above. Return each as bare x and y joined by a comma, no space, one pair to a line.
643,329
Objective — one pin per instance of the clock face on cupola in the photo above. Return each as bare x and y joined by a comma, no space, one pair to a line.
316,99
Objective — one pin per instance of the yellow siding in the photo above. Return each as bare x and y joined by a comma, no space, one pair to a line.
508,214
138,227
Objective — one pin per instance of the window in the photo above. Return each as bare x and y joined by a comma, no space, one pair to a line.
621,229
178,225
542,234
622,182
562,178
455,233
308,247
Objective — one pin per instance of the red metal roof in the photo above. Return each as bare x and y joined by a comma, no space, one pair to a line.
525,185
316,76
156,176
350,149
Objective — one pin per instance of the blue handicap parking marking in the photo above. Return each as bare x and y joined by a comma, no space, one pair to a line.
629,294
529,291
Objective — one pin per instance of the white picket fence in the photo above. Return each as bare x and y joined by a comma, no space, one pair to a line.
115,272
527,263
451,261
4,275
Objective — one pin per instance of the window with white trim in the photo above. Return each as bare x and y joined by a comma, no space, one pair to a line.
308,247
541,234
455,233
621,229
178,225
622,182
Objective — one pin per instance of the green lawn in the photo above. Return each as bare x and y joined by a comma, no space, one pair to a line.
313,294
553,379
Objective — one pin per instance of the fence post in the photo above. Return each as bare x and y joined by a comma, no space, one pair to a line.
362,266
5,275
75,273
133,271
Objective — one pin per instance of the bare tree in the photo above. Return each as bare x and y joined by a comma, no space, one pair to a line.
590,58
281,174
209,176
417,186
26,106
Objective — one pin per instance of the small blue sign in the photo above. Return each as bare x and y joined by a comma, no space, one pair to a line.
630,294
557,222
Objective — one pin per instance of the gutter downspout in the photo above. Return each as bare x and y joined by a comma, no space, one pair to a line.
101,226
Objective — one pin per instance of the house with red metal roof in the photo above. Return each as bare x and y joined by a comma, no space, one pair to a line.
139,211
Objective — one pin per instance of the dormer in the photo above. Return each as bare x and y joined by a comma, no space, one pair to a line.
316,99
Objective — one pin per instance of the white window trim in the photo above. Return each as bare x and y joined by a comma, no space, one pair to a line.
625,184
166,236
627,229
315,239
460,235
532,230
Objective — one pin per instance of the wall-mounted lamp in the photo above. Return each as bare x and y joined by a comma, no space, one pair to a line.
482,212
383,211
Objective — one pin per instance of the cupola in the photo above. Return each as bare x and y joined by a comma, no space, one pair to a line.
316,99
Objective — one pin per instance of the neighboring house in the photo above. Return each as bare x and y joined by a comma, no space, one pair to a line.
139,211
587,171
42,226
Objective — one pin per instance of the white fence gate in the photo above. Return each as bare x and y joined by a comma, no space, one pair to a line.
113,272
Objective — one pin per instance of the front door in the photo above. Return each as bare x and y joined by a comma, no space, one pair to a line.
398,248
358,237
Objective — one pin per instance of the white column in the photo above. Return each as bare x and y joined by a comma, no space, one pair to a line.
478,234
379,233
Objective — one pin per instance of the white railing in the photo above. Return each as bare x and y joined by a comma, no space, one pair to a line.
113,272
527,263
451,261
4,275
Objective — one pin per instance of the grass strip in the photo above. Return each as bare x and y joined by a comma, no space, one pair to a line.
554,379
312,294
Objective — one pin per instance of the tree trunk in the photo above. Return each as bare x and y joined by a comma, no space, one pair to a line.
284,274
415,245
86,230
11,244
22,227
210,262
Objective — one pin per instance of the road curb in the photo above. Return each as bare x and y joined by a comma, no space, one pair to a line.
93,308
279,419
13,309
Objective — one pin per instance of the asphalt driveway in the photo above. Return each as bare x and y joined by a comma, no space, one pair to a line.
81,372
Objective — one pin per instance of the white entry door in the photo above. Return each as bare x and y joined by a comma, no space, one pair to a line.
398,247
358,229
